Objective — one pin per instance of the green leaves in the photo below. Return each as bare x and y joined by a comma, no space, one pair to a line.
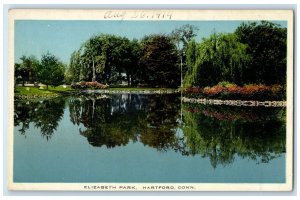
104,56
217,58
255,53
267,46
159,59
51,70
27,69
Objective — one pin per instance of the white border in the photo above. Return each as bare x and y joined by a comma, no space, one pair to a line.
59,14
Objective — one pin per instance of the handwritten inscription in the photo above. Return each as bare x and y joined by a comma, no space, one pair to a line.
114,15
154,15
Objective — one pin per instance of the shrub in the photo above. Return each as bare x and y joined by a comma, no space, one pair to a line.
84,84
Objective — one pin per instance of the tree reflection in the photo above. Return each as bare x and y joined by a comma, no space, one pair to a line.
116,120
158,125
108,121
44,114
23,114
220,133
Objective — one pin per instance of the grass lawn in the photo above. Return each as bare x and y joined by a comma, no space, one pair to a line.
24,90
33,91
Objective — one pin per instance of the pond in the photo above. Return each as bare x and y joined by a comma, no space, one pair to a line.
146,139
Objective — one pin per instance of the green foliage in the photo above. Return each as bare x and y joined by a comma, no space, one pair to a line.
221,133
103,58
44,115
221,57
73,71
218,133
181,37
267,46
51,70
255,53
27,69
109,123
159,61
191,53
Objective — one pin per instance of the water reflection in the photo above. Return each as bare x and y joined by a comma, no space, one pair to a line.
216,132
44,114
116,120
220,133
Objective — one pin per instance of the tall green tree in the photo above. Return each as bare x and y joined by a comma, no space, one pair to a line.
267,45
221,57
159,60
51,70
182,36
130,60
90,60
104,57
74,68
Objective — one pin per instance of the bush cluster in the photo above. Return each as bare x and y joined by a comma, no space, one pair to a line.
84,85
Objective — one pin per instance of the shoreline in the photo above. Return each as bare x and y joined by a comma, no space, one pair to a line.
246,103
48,94
204,101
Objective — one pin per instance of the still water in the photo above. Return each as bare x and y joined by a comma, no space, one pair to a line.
146,138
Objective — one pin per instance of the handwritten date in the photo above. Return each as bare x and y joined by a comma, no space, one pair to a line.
155,15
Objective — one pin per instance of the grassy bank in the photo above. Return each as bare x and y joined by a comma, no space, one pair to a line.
28,92
24,92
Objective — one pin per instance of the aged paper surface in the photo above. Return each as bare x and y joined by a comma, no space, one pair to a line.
155,15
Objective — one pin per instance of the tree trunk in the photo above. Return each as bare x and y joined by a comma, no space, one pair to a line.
94,72
128,80
181,79
47,86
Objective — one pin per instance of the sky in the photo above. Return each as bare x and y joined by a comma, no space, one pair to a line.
61,38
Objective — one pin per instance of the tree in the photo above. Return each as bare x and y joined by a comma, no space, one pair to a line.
51,70
130,60
159,60
92,59
104,57
182,36
221,57
73,72
27,69
267,45
191,53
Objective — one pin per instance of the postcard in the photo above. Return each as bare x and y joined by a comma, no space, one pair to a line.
150,100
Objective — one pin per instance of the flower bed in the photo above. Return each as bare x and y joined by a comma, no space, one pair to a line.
232,91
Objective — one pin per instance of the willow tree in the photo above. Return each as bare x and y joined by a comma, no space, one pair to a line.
74,68
221,57
103,58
